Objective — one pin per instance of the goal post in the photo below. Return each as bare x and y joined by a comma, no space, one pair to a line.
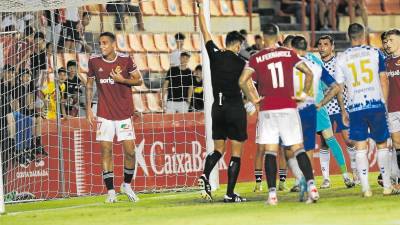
49,150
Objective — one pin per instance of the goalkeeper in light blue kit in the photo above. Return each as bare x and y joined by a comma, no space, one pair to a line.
362,69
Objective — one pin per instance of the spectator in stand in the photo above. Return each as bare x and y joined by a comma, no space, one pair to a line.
71,27
83,46
197,98
325,9
125,7
57,25
75,95
50,98
358,8
294,7
257,46
18,55
176,54
7,87
178,87
38,57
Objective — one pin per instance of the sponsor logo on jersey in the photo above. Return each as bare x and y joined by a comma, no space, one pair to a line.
107,81
394,73
101,69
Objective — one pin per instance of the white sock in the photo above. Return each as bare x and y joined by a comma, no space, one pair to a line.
362,168
394,168
352,156
294,167
112,191
324,158
384,166
345,176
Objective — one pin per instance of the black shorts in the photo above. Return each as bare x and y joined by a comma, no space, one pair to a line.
229,121
69,32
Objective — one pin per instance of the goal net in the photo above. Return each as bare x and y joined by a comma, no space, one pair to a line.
48,148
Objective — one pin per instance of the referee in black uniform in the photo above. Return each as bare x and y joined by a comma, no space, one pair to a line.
228,113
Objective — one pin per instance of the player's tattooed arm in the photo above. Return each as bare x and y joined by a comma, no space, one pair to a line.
247,85
385,85
340,99
202,20
333,91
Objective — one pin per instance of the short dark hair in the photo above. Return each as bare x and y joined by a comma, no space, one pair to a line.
233,37
179,36
257,36
355,30
48,44
271,29
383,35
288,40
392,32
108,34
38,35
299,42
28,31
199,67
62,70
71,63
243,32
327,37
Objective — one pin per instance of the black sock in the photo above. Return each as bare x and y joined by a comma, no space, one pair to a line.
282,174
270,169
258,174
211,160
398,157
305,165
233,173
128,174
108,177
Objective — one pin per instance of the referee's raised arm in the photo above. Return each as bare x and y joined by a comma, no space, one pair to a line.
203,25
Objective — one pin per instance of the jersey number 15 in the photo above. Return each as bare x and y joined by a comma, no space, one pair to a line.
367,72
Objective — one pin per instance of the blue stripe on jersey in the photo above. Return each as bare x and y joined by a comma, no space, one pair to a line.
382,64
315,59
327,78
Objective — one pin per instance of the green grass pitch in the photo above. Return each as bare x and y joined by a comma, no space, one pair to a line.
337,205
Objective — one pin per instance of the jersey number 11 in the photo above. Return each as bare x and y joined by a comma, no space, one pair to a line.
273,67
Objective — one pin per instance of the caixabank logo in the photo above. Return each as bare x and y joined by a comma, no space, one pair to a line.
159,158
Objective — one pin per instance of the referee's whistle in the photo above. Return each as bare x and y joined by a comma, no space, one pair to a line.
220,98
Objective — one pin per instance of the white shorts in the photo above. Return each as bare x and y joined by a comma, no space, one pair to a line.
394,122
283,123
106,130
177,107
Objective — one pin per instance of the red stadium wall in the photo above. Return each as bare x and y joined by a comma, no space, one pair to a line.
170,151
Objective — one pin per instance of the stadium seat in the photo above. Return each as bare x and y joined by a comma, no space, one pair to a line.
148,42
188,44
239,9
174,7
196,39
160,7
374,6
391,6
218,41
188,7
153,102
68,57
171,42
165,63
160,41
139,103
153,61
140,60
135,43
122,43
83,60
375,40
147,8
195,60
214,8
225,7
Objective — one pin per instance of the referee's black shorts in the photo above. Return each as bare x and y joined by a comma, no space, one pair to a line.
229,121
